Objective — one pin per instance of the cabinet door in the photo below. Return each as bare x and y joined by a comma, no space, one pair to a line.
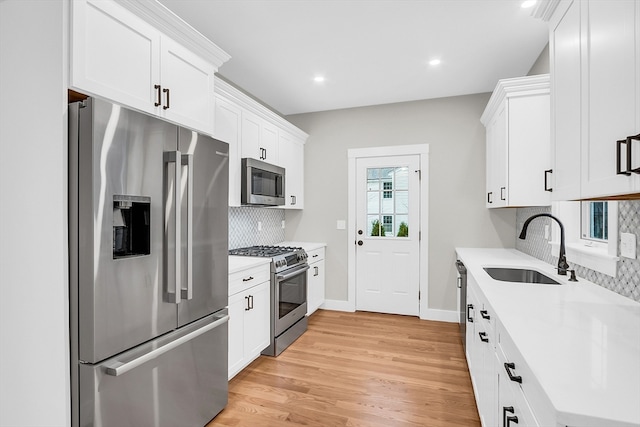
315,286
257,320
187,85
251,136
114,54
269,143
237,305
613,86
227,128
565,51
497,160
291,154
529,150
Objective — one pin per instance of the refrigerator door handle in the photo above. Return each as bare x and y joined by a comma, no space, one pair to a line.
117,368
173,292
187,159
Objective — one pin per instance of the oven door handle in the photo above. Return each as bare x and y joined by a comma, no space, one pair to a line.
293,273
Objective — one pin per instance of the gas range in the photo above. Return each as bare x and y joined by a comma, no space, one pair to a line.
288,319
282,257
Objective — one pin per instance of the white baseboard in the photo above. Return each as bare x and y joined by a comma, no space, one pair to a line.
441,315
432,314
338,305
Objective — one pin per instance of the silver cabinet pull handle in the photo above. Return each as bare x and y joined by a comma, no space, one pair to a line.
118,368
173,292
187,159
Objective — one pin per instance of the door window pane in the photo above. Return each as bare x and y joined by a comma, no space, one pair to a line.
388,202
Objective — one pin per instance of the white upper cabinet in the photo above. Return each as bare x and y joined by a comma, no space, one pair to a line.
228,118
252,130
595,69
259,138
187,87
291,153
517,119
165,69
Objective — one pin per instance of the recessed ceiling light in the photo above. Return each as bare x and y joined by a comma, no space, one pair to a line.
318,79
434,62
527,4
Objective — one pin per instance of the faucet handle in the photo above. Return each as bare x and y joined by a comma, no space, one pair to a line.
573,276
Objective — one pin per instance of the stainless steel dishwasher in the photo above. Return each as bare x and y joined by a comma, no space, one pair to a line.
462,301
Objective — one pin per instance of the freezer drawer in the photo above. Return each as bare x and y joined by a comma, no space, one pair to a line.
179,379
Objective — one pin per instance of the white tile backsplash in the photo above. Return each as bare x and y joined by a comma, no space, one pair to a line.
627,282
243,226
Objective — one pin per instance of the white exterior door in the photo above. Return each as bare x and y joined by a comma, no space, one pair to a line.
388,234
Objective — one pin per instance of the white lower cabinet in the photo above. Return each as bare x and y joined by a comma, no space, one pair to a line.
505,394
249,310
482,366
315,280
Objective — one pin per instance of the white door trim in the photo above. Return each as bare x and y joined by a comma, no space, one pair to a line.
401,150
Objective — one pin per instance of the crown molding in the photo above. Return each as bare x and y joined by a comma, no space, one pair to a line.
544,9
507,88
163,19
241,99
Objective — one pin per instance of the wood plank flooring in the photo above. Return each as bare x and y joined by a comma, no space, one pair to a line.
358,369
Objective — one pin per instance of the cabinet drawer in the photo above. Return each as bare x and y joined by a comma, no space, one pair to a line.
241,280
511,400
315,255
531,391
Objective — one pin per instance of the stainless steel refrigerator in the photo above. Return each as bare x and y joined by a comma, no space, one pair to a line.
148,241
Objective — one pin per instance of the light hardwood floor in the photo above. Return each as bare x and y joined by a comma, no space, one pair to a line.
358,369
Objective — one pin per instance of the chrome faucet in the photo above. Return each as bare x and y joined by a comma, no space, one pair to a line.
563,266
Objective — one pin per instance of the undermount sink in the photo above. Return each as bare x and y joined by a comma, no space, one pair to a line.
521,275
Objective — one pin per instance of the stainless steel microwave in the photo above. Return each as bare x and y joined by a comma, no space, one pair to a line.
262,183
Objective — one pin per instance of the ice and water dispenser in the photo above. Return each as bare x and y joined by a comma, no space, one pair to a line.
131,226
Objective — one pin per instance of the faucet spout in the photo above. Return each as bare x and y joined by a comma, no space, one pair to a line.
563,266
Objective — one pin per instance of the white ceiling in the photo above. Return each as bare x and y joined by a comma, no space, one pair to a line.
370,51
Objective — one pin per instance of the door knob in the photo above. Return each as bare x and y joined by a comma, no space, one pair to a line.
360,242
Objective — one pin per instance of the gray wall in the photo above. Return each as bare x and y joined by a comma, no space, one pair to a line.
542,65
457,215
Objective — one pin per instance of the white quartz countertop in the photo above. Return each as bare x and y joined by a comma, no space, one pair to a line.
307,246
581,341
239,263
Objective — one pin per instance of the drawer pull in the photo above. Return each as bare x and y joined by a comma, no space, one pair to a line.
483,336
315,256
484,314
506,409
246,279
469,308
513,419
516,378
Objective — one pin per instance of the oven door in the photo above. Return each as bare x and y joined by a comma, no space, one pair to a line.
290,297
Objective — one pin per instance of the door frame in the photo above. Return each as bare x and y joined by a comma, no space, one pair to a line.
421,150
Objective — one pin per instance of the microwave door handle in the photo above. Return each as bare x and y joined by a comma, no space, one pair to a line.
172,157
187,159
